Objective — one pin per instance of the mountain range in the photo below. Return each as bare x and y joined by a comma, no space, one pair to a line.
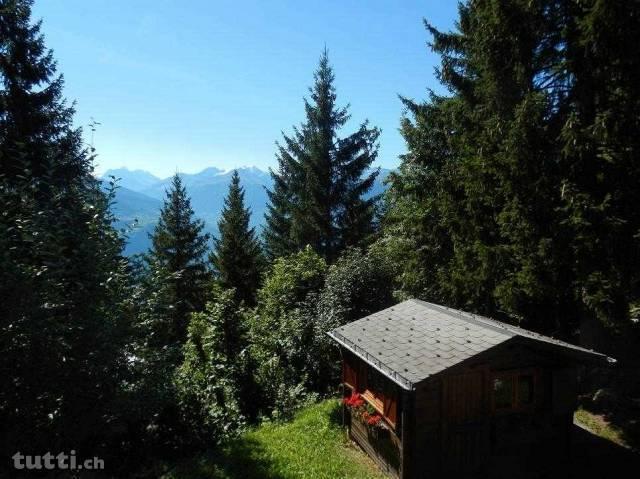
140,196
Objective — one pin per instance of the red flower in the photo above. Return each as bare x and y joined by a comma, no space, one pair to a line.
373,420
354,401
360,409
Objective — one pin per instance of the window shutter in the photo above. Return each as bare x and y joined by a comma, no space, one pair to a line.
390,406
349,371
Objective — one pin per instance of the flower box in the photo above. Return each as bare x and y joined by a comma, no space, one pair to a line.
364,412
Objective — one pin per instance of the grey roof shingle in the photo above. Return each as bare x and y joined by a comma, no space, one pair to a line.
414,339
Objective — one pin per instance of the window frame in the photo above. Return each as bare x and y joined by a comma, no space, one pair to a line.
377,399
514,375
373,397
388,395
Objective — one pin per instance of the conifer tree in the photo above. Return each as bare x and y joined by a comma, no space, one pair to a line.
62,279
512,192
32,104
318,199
277,230
236,256
174,284
600,147
503,262
482,164
177,262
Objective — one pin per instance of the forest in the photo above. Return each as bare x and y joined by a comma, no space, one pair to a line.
517,198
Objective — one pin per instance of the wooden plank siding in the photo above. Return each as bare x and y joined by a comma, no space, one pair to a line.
350,370
426,437
459,433
449,426
385,448
465,421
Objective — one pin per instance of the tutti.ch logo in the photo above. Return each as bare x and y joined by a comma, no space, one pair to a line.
61,461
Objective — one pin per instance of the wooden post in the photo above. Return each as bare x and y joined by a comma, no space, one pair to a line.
407,434
342,406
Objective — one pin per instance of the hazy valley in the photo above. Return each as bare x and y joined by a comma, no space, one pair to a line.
140,194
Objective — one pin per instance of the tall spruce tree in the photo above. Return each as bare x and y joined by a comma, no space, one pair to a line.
511,252
277,232
599,157
237,256
178,266
63,283
34,125
318,198
174,284
481,169
512,189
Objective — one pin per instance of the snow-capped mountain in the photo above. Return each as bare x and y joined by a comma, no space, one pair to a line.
140,195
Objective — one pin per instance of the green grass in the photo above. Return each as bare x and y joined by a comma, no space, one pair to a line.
312,445
599,426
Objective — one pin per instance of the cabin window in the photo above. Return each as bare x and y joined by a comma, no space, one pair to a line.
525,389
503,392
514,390
375,382
375,388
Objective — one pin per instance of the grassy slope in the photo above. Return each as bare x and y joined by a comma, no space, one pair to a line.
311,446
600,426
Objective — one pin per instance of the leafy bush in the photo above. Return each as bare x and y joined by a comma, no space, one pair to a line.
283,331
357,285
301,300
206,380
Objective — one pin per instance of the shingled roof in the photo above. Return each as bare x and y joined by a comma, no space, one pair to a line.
414,340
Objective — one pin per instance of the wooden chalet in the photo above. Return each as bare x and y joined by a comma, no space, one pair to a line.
459,394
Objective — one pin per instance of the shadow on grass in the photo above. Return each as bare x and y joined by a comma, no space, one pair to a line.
590,457
595,457
242,458
626,421
336,416
623,417
618,402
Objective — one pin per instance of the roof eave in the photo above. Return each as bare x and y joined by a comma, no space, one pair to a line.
398,379
582,355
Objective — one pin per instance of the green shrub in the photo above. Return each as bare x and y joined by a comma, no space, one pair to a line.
283,334
206,381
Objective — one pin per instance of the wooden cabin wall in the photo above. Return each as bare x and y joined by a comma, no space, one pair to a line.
426,447
383,446
458,431
448,426
544,429
384,395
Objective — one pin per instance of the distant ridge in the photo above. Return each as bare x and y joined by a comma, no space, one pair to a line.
135,180
140,196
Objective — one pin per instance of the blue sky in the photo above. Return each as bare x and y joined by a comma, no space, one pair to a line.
184,85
